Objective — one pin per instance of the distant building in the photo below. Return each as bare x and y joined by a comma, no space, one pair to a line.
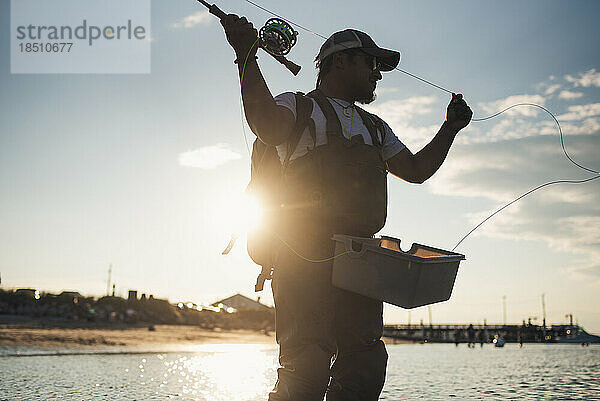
240,302
70,296
132,296
28,293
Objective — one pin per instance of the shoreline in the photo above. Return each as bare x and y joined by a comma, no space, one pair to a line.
85,337
76,334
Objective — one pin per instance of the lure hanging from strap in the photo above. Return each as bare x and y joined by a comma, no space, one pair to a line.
277,37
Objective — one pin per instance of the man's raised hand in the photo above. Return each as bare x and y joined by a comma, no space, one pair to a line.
458,113
241,35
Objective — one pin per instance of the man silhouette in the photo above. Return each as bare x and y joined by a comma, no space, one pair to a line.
334,181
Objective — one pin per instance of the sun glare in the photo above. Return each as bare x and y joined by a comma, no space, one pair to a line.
240,213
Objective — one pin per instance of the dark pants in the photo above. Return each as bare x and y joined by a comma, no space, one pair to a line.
329,339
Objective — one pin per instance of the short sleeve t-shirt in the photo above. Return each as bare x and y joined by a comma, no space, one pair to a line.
351,123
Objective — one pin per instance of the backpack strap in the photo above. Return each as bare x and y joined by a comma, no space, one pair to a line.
304,107
333,125
379,124
260,150
259,153
373,124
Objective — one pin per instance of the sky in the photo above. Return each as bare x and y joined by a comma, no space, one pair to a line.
145,171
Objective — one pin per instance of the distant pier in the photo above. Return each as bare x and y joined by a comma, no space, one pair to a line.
485,333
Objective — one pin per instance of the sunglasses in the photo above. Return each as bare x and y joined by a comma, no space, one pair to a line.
372,62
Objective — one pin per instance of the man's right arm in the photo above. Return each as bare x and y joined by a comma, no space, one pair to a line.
270,122
420,167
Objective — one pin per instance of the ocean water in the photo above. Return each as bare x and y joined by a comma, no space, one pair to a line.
242,372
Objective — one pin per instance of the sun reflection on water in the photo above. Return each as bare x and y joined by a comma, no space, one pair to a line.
224,372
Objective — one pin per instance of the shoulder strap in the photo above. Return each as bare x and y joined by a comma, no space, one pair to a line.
333,125
260,150
304,108
380,126
369,122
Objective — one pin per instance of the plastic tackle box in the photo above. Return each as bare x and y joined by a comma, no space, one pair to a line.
379,269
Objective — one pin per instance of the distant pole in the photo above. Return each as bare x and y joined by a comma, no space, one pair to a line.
409,318
113,291
108,281
504,309
543,317
544,313
429,310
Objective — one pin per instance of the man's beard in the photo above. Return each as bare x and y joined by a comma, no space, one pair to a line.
368,100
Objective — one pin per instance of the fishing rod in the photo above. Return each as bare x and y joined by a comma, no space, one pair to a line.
277,37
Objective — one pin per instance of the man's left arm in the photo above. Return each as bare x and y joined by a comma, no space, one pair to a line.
421,166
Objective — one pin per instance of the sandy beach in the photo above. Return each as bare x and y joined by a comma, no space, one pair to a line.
162,336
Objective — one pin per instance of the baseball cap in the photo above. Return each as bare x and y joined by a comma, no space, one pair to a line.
353,39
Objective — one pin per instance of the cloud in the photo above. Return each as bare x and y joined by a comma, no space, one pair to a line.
386,91
551,89
200,17
400,113
565,216
519,122
404,109
529,121
529,221
506,129
565,94
585,79
576,235
208,157
588,126
491,170
510,129
501,104
579,112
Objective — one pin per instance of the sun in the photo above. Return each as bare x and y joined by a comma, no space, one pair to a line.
239,213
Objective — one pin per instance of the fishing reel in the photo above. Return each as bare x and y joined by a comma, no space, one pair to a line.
277,37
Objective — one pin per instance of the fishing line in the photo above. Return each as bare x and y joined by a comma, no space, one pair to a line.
235,235
520,197
315,260
472,119
285,19
324,37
